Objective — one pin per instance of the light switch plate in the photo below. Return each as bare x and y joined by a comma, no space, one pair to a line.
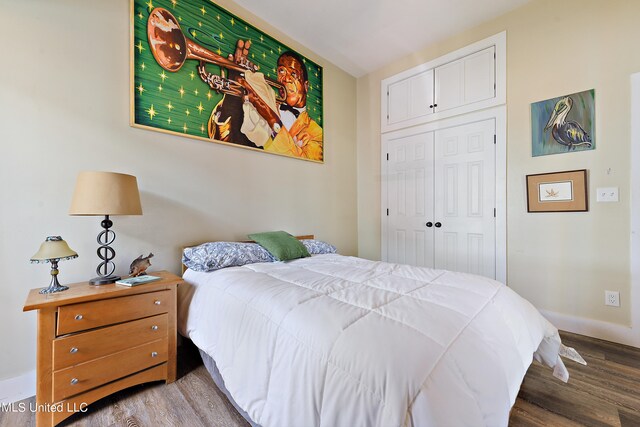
607,194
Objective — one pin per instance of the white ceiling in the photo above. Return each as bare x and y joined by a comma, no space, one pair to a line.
361,36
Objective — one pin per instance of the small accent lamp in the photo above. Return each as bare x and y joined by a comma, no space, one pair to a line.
105,193
53,250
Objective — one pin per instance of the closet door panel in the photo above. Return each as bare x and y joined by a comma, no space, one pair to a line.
449,85
479,76
398,99
465,81
410,98
409,182
465,198
421,91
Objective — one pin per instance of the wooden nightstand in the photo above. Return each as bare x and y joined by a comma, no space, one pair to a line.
96,340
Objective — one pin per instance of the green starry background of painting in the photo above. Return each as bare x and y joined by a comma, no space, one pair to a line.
181,102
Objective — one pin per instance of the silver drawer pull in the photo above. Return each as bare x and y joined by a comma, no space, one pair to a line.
74,381
78,317
73,350
154,328
154,354
156,302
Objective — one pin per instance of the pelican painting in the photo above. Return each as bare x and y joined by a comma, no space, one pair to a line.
564,124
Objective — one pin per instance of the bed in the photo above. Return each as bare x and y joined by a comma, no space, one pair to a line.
332,340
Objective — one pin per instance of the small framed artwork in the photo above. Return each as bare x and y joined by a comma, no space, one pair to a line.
557,192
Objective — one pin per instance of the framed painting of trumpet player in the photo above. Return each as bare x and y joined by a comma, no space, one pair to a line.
564,124
201,72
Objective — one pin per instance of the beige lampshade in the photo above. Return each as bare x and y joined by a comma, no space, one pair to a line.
53,248
105,193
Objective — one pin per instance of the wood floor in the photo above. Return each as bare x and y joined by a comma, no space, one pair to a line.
606,392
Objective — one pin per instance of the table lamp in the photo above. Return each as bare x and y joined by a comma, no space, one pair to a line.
105,194
52,250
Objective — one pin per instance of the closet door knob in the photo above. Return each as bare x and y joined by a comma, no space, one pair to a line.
438,225
429,224
430,106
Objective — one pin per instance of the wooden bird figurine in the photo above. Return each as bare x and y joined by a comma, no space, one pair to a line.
566,132
139,265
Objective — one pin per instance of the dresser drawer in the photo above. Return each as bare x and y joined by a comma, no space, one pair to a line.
89,315
81,347
85,376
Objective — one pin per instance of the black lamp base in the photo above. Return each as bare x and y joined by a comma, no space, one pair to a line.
104,280
106,254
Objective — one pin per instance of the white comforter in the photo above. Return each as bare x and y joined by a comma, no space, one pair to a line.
341,341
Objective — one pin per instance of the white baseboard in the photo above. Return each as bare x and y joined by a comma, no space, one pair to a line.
594,328
18,388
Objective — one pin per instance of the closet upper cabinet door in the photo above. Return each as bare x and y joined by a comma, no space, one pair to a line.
480,76
450,85
466,80
410,98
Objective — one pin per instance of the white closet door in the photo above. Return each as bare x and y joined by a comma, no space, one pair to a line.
465,198
449,85
465,81
410,98
480,76
409,184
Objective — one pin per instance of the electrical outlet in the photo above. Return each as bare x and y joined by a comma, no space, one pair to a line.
612,298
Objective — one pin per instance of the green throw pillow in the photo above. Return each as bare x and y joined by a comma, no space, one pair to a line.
283,246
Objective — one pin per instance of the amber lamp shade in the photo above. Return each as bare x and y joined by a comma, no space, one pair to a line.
52,250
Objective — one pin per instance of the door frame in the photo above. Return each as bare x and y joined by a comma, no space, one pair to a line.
632,335
499,114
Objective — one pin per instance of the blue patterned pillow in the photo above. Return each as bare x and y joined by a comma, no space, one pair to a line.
216,255
316,247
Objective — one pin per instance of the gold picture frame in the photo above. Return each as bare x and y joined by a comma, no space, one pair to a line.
558,192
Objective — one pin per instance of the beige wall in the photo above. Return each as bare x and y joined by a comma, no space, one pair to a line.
560,262
64,107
